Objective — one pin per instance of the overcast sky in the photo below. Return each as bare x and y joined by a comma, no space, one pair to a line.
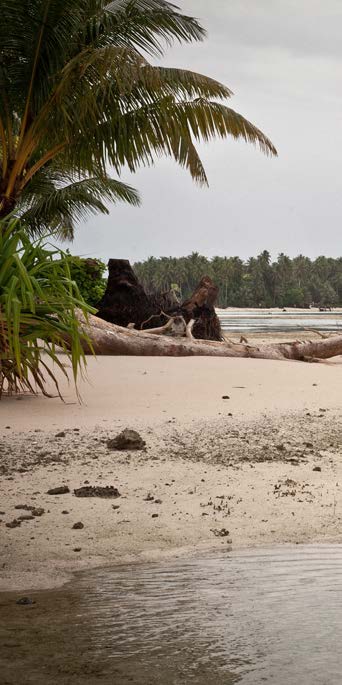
283,60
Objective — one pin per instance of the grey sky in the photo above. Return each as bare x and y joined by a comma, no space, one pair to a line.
283,61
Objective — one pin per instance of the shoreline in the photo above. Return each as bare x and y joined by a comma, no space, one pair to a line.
215,470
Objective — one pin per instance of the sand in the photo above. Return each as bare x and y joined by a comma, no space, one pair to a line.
240,471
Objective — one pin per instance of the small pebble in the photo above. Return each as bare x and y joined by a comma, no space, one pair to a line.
24,601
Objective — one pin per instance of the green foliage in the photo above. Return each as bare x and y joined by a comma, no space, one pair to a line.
38,300
79,97
258,282
88,274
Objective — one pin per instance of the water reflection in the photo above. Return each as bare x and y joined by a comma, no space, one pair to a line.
267,616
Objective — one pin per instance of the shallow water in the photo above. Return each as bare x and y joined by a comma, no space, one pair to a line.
278,322
264,616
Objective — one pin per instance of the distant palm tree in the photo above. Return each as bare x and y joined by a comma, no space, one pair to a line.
78,96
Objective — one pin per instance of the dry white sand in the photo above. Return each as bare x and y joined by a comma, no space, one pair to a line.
243,464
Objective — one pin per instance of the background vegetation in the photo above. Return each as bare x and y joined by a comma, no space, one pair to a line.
88,274
258,282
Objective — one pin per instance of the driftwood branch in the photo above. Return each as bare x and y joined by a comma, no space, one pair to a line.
321,335
109,339
188,330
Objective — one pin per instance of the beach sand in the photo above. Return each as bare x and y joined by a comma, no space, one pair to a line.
242,471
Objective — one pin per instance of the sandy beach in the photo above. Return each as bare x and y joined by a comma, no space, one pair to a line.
238,452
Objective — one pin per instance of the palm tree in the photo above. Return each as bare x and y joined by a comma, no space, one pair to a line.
78,96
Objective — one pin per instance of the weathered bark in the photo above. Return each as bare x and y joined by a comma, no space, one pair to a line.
110,339
126,302
201,308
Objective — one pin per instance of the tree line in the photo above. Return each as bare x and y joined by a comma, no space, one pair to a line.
257,282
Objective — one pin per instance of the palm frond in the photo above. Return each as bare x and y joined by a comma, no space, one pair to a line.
47,207
150,23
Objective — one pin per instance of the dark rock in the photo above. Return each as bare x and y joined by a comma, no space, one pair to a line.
13,524
97,491
154,516
149,497
127,440
78,526
25,517
65,511
25,601
61,490
115,506
157,501
77,549
61,434
37,511
220,533
225,397
317,468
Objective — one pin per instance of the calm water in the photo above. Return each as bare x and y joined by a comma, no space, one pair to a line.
245,320
265,616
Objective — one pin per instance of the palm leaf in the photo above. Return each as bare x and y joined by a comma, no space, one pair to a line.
46,207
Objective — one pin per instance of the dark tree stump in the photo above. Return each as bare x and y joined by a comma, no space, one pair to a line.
125,300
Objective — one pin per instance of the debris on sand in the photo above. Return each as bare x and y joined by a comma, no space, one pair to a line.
35,511
220,532
25,601
13,524
78,526
97,491
127,440
60,490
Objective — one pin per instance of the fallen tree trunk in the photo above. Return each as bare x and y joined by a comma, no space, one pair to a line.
110,339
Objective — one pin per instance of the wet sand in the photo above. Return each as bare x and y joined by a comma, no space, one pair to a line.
241,471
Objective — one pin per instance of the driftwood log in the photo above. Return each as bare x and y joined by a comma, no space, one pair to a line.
125,302
110,339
